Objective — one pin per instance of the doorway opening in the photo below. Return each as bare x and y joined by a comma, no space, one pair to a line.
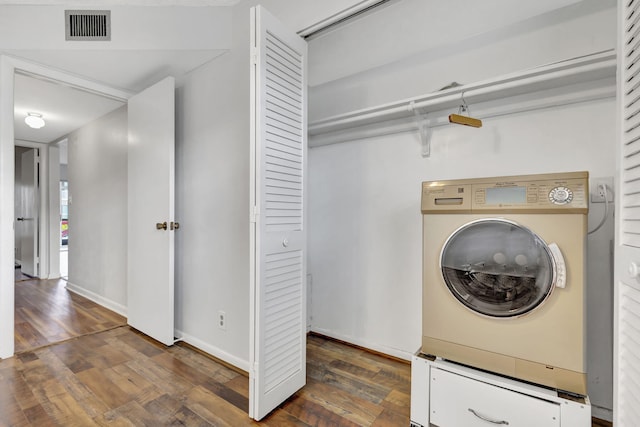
45,310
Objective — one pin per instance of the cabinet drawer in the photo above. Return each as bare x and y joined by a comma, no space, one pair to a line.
458,401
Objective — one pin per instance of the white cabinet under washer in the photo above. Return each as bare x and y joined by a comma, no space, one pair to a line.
457,400
445,394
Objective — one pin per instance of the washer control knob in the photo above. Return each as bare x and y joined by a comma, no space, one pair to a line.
560,196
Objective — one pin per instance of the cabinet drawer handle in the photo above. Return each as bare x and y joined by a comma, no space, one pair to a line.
506,423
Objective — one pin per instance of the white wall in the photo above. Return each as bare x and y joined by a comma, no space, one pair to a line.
365,221
7,213
580,29
212,202
212,187
98,210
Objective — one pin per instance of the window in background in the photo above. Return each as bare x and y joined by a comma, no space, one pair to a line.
64,213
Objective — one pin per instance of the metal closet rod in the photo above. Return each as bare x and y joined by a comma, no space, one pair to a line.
341,17
599,64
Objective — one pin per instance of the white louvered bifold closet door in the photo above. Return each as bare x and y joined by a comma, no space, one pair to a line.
627,301
278,243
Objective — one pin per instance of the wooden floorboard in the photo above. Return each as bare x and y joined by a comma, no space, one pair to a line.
122,378
18,275
601,423
46,312
106,374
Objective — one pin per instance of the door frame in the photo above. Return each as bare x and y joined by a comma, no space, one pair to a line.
9,66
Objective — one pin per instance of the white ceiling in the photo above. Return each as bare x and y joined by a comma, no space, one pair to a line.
63,108
132,68
139,54
103,3
418,27
130,65
129,70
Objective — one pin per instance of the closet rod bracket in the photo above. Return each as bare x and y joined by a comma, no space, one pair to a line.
424,130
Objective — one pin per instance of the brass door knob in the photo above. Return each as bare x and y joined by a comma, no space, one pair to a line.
161,225
174,225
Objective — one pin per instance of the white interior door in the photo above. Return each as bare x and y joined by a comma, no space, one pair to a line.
627,269
151,172
278,232
28,219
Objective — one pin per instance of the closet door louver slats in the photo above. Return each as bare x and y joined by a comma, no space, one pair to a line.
627,339
284,127
279,150
631,126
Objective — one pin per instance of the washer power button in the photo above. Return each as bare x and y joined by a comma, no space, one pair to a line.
560,196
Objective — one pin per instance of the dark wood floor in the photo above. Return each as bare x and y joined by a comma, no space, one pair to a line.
120,377
19,276
46,312
601,423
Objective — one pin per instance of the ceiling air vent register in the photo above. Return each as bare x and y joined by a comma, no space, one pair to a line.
90,25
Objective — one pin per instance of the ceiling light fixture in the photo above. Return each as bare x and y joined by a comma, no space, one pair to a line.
34,120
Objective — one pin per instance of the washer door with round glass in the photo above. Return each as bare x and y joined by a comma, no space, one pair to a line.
498,268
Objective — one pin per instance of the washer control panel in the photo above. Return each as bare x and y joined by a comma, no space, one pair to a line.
560,195
537,193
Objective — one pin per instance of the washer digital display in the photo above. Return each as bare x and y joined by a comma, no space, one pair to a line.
506,195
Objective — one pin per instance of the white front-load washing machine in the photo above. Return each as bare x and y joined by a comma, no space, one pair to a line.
504,276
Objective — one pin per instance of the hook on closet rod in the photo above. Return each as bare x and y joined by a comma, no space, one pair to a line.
464,115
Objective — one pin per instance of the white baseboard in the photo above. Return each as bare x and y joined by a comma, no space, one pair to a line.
602,413
400,354
98,299
214,351
244,364
122,310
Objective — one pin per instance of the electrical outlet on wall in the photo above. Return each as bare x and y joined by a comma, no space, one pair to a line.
222,320
597,190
